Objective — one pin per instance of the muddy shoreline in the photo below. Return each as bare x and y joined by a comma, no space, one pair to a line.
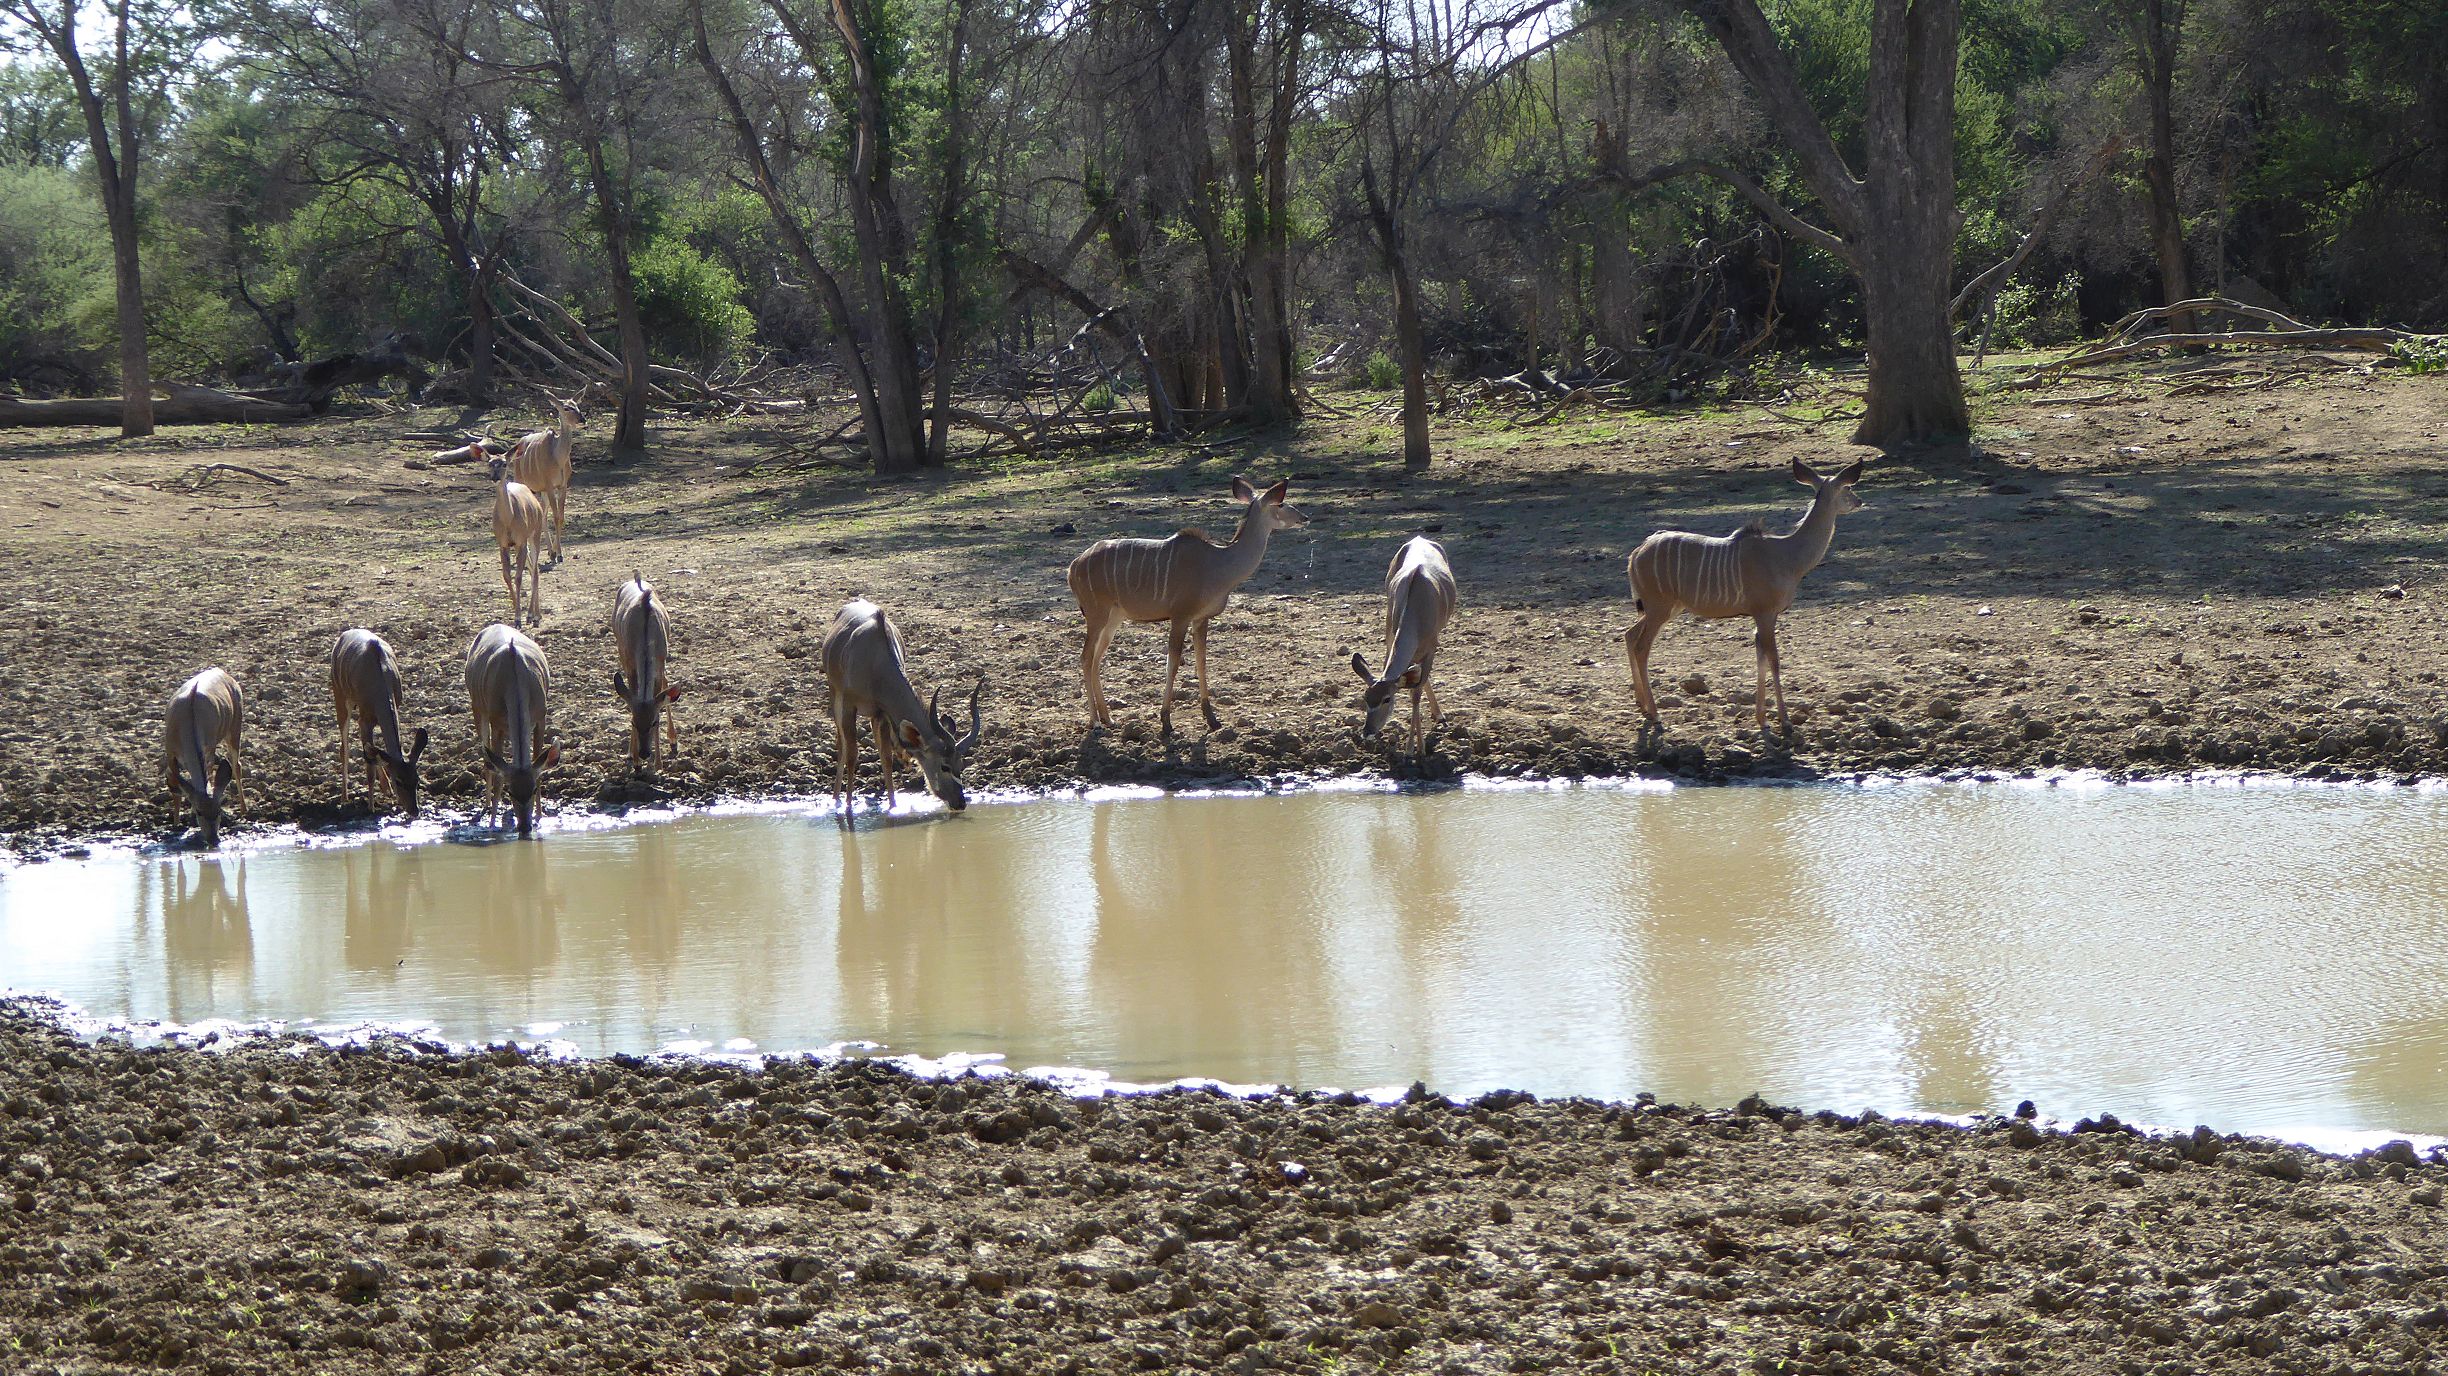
2146,589
284,1206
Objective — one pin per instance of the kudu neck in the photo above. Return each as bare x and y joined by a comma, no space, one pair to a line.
1807,543
1250,541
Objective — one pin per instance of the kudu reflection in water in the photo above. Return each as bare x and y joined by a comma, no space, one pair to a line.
1187,927
208,937
934,938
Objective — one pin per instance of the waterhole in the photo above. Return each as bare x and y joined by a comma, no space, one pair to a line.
2266,960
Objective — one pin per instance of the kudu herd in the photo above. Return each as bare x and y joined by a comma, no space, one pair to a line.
1183,580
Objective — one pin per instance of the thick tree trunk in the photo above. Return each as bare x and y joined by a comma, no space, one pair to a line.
135,359
1618,307
185,405
480,339
1264,234
897,442
1915,391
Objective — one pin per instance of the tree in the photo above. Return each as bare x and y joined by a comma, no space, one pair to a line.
2155,27
121,104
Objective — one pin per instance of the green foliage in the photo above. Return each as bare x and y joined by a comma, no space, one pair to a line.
689,304
1100,398
1381,373
2030,315
2426,354
55,287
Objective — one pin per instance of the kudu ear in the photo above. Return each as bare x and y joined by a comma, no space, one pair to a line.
1276,493
620,684
416,745
1851,472
1804,474
551,757
671,694
1242,490
1360,667
907,733
221,775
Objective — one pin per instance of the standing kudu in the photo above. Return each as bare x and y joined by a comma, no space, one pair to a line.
641,635
518,529
1420,599
1749,573
365,684
541,460
865,676
208,712
1182,579
507,683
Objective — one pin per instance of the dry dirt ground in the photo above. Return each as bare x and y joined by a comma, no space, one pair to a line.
2150,586
286,1207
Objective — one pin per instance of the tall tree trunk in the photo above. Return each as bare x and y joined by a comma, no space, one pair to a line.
947,233
1410,342
612,220
480,337
898,443
1618,308
1268,399
2155,36
1915,390
127,272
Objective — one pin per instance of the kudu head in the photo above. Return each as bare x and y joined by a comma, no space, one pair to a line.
207,800
645,712
497,466
520,782
401,770
568,414
941,754
1836,489
1268,506
1379,699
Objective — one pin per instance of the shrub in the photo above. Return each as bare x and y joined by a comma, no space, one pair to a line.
1382,374
689,304
1100,397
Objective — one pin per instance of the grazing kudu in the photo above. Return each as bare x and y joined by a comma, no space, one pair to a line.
1749,573
507,681
865,676
641,634
365,684
1182,579
518,528
206,713
541,460
1420,599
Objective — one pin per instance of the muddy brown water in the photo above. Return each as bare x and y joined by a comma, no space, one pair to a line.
2261,959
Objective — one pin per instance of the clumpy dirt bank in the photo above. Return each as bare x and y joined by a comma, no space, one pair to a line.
2145,586
288,1207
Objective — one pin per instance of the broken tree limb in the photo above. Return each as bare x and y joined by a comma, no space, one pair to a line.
1995,276
2366,340
2204,305
178,403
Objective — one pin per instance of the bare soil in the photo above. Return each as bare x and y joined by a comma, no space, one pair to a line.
2151,586
282,1206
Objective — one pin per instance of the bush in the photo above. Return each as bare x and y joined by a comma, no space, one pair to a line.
1382,374
689,304
2426,355
1100,398
2029,316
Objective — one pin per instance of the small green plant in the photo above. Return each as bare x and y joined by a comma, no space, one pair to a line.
2422,354
1100,398
1382,374
2030,315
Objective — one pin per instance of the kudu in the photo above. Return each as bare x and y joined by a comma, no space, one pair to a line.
865,676
518,528
641,635
1420,599
541,460
365,684
1182,579
507,681
1749,573
208,712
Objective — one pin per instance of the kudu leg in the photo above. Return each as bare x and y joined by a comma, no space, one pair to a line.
341,709
1198,639
535,583
1776,679
560,501
884,757
1175,634
1092,669
510,581
845,761
1637,643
